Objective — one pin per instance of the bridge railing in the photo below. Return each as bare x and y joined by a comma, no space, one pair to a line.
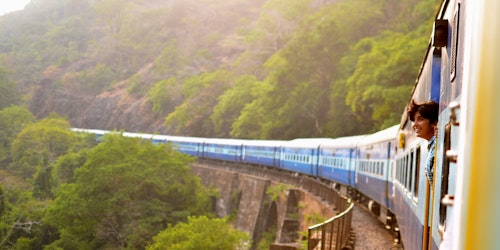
333,233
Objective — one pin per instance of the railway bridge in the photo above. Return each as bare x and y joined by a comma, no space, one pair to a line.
276,205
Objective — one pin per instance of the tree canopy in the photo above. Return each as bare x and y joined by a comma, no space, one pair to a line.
201,233
63,190
126,191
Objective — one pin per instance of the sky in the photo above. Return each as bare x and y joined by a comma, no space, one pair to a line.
7,6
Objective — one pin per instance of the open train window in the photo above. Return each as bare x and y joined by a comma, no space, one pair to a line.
445,173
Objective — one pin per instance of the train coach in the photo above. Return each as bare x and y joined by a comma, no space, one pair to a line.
374,173
337,161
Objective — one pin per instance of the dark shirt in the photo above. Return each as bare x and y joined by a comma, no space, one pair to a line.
429,164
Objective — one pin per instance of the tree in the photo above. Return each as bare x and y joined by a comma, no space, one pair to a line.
12,121
127,191
21,224
201,94
382,76
39,144
230,104
165,96
8,92
201,233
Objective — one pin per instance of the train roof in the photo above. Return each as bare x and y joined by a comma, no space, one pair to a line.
225,141
172,138
387,134
137,135
308,142
347,141
273,143
93,131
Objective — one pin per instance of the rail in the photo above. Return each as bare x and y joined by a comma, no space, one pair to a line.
334,233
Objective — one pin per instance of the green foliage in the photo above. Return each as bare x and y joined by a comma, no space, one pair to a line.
65,166
201,94
375,87
165,95
230,104
38,145
99,78
21,224
201,233
127,191
267,239
275,191
12,121
8,92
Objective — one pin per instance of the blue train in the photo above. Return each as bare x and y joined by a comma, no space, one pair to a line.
385,170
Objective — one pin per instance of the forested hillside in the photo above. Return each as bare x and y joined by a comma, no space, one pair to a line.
268,69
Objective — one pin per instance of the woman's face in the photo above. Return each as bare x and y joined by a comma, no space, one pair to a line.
422,127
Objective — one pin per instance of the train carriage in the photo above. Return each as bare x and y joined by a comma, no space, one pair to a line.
223,149
262,152
188,145
301,155
337,160
374,166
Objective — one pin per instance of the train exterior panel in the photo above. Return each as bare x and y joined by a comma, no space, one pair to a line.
266,153
373,164
188,145
223,149
302,155
337,160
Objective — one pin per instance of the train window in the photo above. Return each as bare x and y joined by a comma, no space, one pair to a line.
445,173
398,170
404,170
410,172
417,171
407,161
454,44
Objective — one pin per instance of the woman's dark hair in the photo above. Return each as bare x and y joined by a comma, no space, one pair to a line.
428,110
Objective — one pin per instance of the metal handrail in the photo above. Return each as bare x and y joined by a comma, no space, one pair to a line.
333,233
